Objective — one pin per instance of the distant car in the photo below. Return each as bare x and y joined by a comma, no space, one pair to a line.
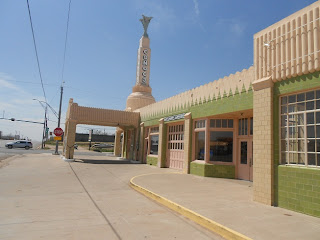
102,145
19,144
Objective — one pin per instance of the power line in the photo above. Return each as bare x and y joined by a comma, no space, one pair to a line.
65,45
62,81
35,48
48,84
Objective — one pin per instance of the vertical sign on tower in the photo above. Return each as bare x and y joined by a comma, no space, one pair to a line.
144,53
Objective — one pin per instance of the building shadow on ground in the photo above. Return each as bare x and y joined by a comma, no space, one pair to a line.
106,161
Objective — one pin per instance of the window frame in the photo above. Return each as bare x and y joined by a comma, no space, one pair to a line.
207,129
287,138
148,138
195,130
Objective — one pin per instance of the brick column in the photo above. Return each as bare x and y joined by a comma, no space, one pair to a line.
162,144
117,143
141,143
187,142
263,172
71,135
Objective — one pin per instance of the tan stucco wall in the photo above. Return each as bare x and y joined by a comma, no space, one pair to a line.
289,47
229,85
263,142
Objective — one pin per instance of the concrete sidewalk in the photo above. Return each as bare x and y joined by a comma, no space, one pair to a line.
43,197
229,203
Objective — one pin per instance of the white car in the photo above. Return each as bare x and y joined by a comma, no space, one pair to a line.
19,144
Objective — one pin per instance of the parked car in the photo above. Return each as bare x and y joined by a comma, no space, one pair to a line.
19,144
102,145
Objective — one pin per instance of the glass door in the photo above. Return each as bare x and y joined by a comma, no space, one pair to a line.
245,160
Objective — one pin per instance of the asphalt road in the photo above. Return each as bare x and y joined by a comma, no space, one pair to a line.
5,152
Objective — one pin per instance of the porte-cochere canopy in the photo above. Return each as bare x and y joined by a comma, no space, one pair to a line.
102,117
94,116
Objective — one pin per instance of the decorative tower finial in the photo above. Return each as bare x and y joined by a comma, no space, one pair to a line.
145,22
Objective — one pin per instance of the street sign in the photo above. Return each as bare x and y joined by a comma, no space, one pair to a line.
57,138
58,132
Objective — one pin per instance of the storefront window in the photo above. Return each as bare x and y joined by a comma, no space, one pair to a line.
154,140
221,145
200,145
221,123
154,130
300,129
243,126
200,124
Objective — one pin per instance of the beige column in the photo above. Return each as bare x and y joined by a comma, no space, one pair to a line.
124,144
71,135
141,143
187,142
65,136
263,172
136,144
117,143
162,145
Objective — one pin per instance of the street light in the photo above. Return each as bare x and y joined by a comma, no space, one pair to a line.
44,121
55,113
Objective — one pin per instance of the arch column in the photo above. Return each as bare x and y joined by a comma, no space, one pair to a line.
70,139
136,144
141,143
124,144
117,143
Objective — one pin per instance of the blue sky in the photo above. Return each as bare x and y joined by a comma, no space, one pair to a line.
193,42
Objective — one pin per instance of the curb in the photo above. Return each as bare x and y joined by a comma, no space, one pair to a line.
213,226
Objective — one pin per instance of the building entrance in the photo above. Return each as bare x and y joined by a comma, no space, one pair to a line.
175,148
245,159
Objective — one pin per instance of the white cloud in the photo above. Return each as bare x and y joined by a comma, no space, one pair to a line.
16,102
235,26
10,86
196,7
196,15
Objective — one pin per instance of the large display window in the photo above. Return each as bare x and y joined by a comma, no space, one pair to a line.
221,146
300,128
213,140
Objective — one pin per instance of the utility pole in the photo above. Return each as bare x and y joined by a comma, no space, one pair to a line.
59,117
44,127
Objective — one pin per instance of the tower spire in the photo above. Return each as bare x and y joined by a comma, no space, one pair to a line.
141,93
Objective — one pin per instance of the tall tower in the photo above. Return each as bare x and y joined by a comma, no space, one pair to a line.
141,92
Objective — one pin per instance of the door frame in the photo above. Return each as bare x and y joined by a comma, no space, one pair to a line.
245,172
